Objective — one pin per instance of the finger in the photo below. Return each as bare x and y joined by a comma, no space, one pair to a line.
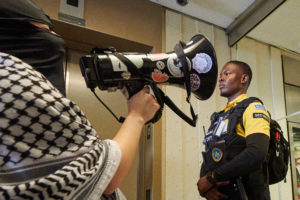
214,195
222,183
221,195
156,106
208,196
150,90
146,89
211,196
125,92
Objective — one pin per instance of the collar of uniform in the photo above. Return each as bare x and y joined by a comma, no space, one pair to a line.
235,101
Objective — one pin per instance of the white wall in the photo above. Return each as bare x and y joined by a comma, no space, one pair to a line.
182,144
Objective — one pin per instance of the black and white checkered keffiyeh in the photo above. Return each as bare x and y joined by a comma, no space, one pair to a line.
48,149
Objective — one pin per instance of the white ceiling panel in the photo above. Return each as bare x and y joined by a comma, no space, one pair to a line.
229,8
281,28
219,12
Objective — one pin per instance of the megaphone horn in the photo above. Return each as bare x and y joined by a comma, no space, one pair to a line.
192,66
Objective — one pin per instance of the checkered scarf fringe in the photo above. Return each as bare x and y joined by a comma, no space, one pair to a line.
48,149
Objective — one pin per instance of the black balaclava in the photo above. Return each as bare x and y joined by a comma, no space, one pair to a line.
38,47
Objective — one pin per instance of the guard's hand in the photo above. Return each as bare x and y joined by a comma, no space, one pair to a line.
214,194
143,104
204,185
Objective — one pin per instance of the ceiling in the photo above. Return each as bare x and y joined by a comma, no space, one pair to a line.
219,12
280,28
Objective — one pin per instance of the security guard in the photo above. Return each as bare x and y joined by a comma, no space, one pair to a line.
236,146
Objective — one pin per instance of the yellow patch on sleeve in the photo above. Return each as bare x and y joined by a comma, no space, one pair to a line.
256,120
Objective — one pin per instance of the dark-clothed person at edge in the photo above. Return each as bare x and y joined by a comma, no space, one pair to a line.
48,148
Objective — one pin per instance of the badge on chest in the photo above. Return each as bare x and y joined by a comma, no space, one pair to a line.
217,154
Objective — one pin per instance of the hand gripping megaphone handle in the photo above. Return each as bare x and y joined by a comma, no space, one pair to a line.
163,99
137,86
154,90
132,89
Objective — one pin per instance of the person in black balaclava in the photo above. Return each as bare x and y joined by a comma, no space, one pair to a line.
27,33
48,148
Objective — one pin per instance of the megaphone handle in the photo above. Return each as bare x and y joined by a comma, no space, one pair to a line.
155,91
133,88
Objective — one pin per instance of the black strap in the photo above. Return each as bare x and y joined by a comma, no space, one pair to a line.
185,68
176,110
237,112
241,189
120,119
131,67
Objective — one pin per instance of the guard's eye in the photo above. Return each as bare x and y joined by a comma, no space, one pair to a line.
225,73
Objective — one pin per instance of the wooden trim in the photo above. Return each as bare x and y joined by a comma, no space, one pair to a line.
290,55
84,39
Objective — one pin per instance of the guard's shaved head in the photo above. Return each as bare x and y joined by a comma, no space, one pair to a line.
244,67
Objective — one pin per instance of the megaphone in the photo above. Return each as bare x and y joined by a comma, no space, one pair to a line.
192,66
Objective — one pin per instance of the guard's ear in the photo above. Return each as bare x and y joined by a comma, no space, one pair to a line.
244,79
